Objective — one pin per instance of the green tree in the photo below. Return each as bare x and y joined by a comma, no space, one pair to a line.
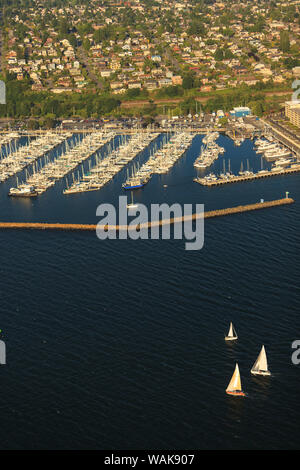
86,44
188,81
284,41
219,54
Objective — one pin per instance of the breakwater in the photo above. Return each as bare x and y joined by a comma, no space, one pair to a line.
92,227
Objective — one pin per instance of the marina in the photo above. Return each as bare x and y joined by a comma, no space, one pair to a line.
9,138
42,171
160,161
146,302
210,152
25,155
105,169
197,295
75,154
283,162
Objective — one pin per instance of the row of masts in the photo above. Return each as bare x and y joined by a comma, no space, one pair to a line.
8,139
171,152
15,159
46,173
269,150
209,152
161,159
46,167
107,166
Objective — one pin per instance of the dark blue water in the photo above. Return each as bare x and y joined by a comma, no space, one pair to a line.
119,344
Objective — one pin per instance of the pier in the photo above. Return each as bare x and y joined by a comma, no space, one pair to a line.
70,159
92,227
161,161
15,159
244,178
109,166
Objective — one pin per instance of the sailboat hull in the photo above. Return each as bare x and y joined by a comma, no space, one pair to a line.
237,393
260,372
230,338
23,195
134,187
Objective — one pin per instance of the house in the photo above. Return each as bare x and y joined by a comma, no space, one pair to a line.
176,80
165,82
134,84
150,85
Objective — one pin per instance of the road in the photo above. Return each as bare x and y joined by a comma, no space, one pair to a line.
162,101
85,61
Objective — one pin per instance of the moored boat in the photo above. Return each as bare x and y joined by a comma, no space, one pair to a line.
23,190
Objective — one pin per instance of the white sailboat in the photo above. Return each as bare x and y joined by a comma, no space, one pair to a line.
260,366
132,205
235,386
231,333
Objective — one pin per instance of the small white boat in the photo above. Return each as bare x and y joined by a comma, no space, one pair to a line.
132,205
231,333
235,388
260,366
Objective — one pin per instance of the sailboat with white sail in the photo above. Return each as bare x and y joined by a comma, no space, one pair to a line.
132,205
235,387
231,333
260,366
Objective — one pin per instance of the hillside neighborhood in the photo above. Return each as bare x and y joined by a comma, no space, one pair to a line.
143,48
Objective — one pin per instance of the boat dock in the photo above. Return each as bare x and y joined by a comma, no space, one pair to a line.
250,177
93,227
9,138
161,160
172,151
67,161
17,159
109,166
210,151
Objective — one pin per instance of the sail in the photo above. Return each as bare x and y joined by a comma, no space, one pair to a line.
261,362
235,382
231,332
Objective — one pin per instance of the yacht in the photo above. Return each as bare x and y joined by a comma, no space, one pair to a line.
23,190
133,183
265,147
283,162
276,154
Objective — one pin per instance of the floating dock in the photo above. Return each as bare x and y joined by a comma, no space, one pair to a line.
255,176
91,227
